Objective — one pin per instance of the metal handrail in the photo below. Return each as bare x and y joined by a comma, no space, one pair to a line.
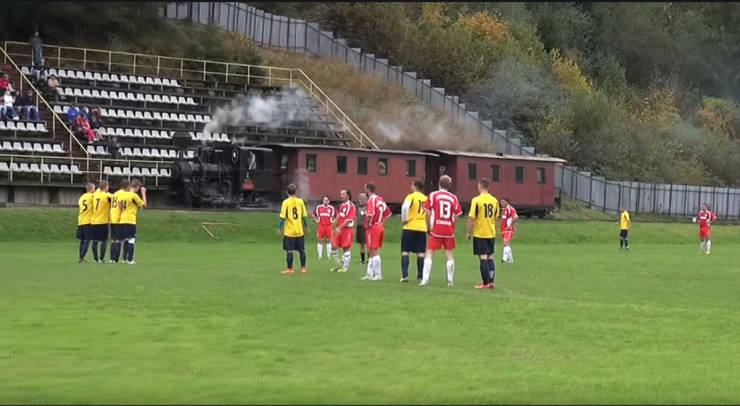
229,71
51,110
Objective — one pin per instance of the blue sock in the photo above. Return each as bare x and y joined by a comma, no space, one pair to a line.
83,248
492,271
126,246
302,255
484,273
131,252
95,250
103,247
419,268
289,259
405,266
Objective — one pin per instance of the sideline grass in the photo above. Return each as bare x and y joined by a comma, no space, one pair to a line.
201,321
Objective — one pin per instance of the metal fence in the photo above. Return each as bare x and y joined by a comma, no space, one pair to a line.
639,197
299,36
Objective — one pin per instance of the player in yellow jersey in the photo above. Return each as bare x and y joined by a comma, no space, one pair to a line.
84,231
128,204
292,227
115,219
414,234
100,220
624,227
484,209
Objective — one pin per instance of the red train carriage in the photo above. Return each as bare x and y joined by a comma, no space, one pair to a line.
322,170
528,181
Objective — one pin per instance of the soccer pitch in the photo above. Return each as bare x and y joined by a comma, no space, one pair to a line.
574,320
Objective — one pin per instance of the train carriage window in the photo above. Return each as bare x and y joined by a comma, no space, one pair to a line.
540,175
361,165
382,166
411,167
311,162
472,171
284,162
442,169
519,174
494,172
341,164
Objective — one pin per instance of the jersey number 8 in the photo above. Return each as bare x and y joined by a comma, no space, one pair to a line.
295,213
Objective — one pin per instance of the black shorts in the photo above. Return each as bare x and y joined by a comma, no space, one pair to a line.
99,232
623,233
126,231
84,232
294,244
360,236
483,246
413,241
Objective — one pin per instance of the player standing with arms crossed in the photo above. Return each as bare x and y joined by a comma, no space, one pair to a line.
324,216
100,220
442,209
292,224
624,227
345,232
84,217
115,220
484,210
375,216
414,234
706,217
360,234
508,228
129,204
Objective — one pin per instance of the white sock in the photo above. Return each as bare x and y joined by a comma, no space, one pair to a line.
370,266
450,271
320,246
378,269
709,245
427,270
702,246
328,249
503,254
511,254
347,259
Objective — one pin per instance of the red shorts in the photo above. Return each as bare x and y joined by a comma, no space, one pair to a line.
507,235
325,232
436,243
705,233
345,238
375,237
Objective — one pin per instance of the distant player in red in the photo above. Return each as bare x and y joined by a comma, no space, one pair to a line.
508,228
442,209
376,213
324,215
706,217
345,233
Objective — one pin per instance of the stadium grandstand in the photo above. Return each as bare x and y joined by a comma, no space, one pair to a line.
133,106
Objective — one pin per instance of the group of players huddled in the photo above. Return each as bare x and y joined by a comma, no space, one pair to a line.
428,227
103,214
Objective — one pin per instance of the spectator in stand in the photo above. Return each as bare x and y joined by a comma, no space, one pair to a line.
36,46
114,148
5,84
94,119
84,127
85,112
7,109
53,85
72,114
27,104
39,72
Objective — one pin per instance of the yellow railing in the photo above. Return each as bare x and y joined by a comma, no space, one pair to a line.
83,164
187,70
55,117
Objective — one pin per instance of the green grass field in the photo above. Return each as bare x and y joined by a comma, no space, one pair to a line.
574,320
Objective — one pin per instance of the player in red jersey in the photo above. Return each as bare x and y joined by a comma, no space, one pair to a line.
706,217
508,228
345,233
376,213
324,215
442,209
